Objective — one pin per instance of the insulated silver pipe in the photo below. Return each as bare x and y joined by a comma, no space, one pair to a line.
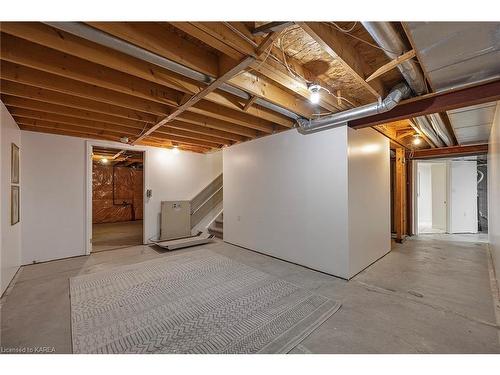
386,36
440,128
89,33
426,128
398,93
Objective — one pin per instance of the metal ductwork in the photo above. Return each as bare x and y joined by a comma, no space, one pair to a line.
398,93
425,127
440,128
89,33
386,36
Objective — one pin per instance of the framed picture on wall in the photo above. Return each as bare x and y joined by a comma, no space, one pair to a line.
14,205
14,168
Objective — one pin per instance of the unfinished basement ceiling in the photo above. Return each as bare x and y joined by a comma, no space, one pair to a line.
198,86
108,80
456,54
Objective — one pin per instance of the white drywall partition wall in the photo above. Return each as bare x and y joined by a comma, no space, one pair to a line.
439,184
369,198
463,197
55,190
10,235
286,195
494,191
424,197
291,196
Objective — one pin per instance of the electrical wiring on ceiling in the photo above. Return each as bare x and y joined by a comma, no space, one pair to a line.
360,39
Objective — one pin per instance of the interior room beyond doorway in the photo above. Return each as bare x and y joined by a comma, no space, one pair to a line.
448,195
117,198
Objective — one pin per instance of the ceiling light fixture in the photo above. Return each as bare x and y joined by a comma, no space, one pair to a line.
104,161
176,149
416,139
314,89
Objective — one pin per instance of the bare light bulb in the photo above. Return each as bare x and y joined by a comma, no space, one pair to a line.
417,140
104,161
175,150
314,90
314,97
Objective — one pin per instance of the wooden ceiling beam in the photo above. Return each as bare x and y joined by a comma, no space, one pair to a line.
128,131
228,115
177,124
106,132
157,38
197,119
18,102
230,73
67,43
270,70
83,134
235,47
391,65
19,51
434,103
36,105
339,47
136,36
271,26
19,93
33,77
454,151
42,95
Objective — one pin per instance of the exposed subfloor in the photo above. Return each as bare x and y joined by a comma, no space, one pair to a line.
426,296
111,236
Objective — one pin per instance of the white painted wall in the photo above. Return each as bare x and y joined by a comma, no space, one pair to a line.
494,191
53,173
54,207
424,196
10,235
287,195
439,196
175,177
463,197
369,198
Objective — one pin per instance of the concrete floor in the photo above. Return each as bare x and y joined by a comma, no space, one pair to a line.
111,236
426,296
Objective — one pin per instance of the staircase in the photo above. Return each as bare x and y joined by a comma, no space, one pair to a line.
217,226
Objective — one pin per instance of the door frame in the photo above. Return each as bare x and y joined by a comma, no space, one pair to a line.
416,182
88,186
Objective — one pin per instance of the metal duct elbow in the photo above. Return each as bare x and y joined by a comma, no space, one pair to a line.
386,36
398,93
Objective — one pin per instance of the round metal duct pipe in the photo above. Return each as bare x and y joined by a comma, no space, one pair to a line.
386,36
398,93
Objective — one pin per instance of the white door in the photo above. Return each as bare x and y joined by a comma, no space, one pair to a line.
439,190
463,210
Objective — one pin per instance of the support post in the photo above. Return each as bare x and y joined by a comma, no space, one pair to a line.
400,195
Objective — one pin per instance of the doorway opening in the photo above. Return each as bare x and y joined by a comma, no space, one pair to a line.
432,198
117,198
451,196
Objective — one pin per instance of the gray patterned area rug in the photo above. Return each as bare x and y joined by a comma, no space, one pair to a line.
196,302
